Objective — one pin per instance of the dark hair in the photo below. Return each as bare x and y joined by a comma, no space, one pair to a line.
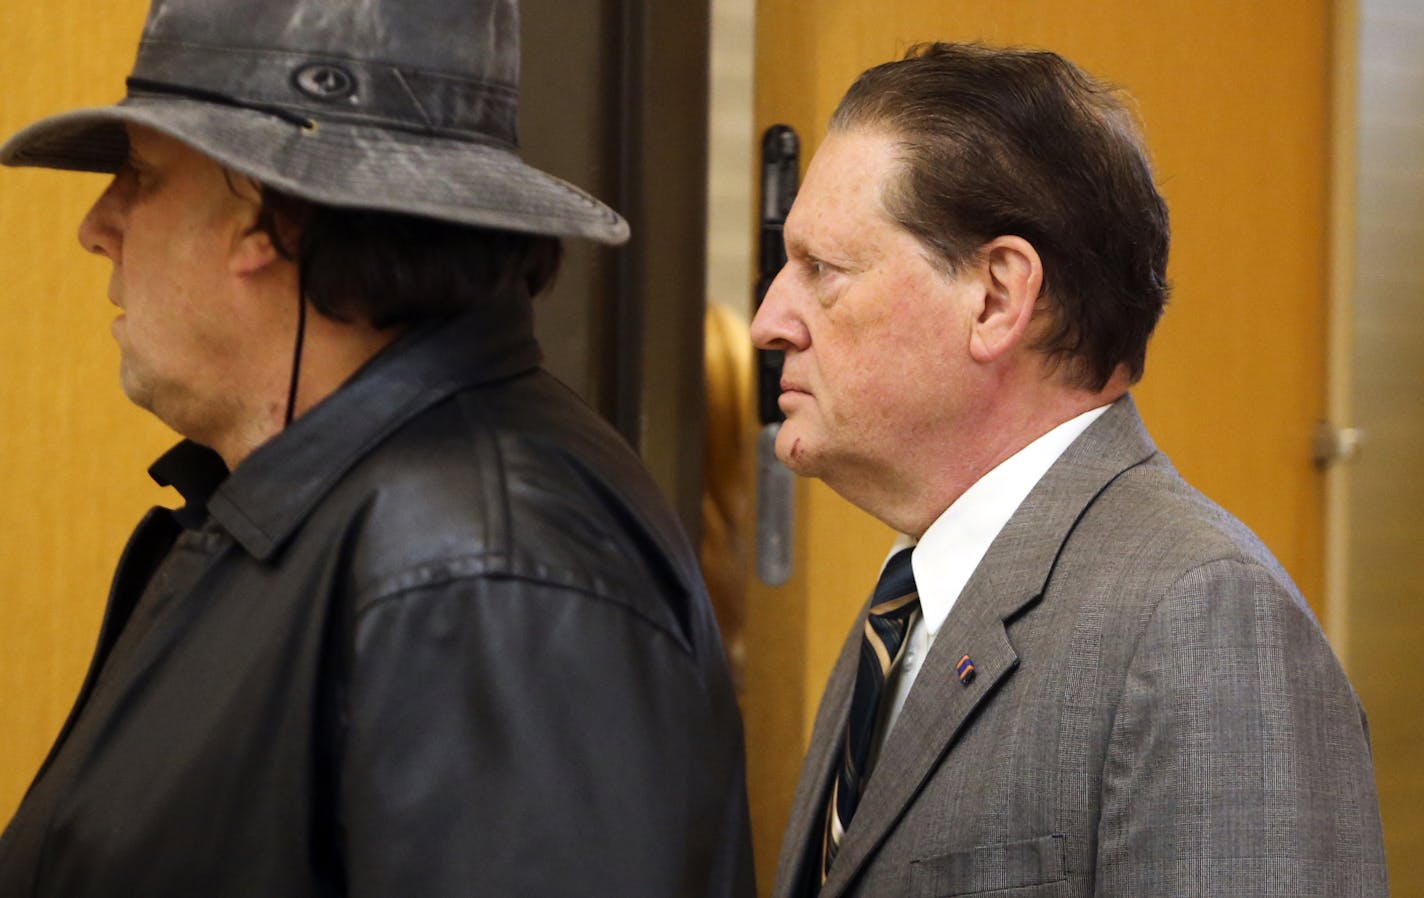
387,268
1023,142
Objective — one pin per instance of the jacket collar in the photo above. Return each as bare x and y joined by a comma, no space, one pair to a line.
1011,577
274,489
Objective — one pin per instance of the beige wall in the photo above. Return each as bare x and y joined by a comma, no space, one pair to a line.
72,451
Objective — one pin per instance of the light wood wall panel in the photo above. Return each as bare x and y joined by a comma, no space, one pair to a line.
72,450
1385,584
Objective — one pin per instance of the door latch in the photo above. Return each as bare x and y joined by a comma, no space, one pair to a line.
1335,444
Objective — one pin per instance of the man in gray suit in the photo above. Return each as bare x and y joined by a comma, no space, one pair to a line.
1085,678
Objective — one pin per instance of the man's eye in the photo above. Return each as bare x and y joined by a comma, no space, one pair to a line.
137,175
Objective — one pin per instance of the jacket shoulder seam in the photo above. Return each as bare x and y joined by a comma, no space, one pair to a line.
493,567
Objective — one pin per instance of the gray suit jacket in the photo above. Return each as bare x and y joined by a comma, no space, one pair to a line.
1155,712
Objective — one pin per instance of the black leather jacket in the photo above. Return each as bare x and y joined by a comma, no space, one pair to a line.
439,637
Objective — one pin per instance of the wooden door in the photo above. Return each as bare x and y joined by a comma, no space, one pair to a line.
1235,101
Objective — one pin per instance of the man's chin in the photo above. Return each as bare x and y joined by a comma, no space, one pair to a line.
137,388
795,451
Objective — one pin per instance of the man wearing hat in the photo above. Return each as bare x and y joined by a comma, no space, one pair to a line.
423,626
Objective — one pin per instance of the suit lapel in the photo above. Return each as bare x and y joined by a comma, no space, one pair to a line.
807,807
935,711
1010,579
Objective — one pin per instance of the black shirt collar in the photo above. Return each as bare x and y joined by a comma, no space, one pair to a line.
195,472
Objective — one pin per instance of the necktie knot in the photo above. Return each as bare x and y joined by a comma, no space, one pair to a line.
896,580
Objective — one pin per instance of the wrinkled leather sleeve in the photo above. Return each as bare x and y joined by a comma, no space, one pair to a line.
509,736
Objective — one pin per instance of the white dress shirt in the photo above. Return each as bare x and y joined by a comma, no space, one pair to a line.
955,543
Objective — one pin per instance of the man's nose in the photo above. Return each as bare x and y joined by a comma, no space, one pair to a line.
99,231
775,326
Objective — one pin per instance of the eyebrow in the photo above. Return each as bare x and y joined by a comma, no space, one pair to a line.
823,249
800,243
135,158
795,245
136,155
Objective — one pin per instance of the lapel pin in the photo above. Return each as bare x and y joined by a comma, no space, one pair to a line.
965,669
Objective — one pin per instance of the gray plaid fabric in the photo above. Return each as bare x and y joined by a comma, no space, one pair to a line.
1155,712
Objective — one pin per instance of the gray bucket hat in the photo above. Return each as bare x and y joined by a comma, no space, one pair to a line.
396,105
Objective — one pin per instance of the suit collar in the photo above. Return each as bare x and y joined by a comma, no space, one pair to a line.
952,547
1011,577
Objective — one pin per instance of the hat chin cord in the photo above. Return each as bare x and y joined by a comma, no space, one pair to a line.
296,359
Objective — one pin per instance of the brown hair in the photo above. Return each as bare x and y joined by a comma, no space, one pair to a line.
1023,142
391,269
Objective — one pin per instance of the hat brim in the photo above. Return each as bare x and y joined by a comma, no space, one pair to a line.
336,164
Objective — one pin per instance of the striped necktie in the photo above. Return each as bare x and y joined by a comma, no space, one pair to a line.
893,609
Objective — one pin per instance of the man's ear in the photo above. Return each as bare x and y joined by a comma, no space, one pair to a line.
252,251
259,239
1013,278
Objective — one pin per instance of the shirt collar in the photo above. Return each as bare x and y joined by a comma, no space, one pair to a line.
956,542
273,490
195,472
